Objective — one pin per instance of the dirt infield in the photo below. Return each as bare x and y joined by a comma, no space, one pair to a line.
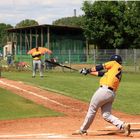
60,127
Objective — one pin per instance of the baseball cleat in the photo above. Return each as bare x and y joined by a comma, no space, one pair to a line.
80,132
127,130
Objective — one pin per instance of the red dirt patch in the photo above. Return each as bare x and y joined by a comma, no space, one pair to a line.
74,110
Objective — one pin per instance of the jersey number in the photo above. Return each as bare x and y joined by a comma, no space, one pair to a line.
119,75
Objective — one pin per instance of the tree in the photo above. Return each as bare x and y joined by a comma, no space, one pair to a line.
26,22
107,23
3,33
69,21
132,22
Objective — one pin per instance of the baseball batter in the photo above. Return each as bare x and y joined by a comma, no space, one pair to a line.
105,94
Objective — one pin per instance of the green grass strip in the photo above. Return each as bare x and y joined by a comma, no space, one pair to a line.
13,106
83,87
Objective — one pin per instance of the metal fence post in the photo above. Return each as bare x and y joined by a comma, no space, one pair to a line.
94,56
70,58
135,58
117,51
0,64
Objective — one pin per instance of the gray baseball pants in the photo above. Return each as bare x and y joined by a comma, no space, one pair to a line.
38,63
103,98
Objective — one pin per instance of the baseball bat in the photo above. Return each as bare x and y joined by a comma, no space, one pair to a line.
61,65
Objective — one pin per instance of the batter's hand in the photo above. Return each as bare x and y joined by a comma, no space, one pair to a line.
84,71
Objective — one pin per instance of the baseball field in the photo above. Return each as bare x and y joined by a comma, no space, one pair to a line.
54,106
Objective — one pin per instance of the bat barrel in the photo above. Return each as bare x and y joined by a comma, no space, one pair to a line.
61,65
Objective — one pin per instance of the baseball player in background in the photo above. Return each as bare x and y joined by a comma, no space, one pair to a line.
105,94
37,62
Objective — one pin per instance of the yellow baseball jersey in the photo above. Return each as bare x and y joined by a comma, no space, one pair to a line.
113,75
36,55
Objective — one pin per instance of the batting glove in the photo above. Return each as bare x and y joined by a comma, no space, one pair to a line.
84,71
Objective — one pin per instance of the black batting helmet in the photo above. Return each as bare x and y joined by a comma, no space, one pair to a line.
116,58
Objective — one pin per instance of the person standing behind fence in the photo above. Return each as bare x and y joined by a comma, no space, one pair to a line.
37,63
9,59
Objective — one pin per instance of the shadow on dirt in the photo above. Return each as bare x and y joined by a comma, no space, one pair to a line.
117,132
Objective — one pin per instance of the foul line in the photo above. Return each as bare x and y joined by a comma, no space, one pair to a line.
40,96
48,135
135,123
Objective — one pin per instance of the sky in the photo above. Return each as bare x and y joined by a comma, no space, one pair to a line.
43,11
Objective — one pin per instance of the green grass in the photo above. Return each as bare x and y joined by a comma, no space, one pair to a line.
70,84
128,97
82,87
13,106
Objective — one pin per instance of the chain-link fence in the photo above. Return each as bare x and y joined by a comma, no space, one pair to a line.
131,58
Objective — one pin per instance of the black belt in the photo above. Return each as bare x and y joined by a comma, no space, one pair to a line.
37,59
108,88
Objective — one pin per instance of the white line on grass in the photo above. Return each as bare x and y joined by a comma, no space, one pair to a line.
40,96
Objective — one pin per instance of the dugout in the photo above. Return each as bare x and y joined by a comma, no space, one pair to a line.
64,41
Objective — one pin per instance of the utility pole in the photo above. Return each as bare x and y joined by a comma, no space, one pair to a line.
0,64
74,12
